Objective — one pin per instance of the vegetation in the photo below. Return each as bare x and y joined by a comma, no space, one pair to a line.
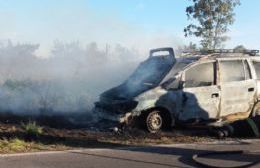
17,145
14,138
210,21
32,129
191,47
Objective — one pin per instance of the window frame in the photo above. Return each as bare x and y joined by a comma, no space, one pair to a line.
183,78
247,65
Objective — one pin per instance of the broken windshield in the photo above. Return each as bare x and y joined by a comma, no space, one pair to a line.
148,75
150,72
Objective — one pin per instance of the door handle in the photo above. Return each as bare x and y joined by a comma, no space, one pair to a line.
251,89
214,95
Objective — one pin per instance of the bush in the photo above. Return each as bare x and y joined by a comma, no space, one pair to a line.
13,145
17,145
32,129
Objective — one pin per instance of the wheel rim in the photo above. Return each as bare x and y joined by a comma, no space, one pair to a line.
154,122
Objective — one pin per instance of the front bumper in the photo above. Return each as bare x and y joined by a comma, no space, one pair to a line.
103,114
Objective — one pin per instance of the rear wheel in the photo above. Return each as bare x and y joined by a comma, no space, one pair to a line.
154,121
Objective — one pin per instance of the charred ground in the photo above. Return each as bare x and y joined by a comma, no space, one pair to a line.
61,133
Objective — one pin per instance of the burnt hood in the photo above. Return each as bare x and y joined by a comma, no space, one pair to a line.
147,75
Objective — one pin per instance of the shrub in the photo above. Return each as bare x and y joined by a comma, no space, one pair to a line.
17,145
32,129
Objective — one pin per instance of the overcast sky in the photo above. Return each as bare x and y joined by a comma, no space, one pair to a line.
141,24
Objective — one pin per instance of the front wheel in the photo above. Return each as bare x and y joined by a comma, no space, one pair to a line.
154,121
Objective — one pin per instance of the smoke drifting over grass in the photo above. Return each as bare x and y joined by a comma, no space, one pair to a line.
70,80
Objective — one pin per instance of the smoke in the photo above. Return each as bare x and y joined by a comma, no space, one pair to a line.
68,81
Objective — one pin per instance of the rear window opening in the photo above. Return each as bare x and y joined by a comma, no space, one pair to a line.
232,71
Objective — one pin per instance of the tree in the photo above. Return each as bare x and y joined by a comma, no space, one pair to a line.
212,18
191,47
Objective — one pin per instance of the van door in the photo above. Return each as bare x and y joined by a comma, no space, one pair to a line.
201,95
238,89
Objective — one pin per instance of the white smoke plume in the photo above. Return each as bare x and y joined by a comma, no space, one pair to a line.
70,80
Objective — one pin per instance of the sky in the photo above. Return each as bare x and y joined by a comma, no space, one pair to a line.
140,24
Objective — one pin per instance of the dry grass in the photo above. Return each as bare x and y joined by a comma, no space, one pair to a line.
18,146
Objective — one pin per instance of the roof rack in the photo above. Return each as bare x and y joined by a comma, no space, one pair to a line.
226,51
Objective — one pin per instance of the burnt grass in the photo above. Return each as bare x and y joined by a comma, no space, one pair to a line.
72,132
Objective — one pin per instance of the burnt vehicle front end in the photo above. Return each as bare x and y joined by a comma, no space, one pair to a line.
119,104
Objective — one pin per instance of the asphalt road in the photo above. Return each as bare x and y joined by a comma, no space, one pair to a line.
134,157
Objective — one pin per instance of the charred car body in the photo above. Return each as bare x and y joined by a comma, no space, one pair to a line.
214,86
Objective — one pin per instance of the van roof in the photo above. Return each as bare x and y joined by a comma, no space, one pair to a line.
216,54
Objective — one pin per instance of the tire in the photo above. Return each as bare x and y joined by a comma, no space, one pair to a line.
154,121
